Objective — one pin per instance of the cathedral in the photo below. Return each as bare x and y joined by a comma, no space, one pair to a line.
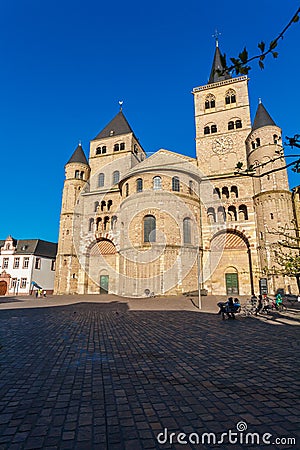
169,224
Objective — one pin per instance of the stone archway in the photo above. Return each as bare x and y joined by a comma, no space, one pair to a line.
101,260
234,249
4,283
3,287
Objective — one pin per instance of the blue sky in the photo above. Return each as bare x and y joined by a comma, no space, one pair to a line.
65,64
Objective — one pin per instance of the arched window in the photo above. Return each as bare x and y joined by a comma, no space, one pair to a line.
156,183
225,192
238,123
116,177
257,141
77,173
122,146
101,150
275,138
187,231
96,204
216,193
213,129
221,214
191,187
271,216
99,224
126,190
206,130
103,205
243,212
113,222
116,147
81,175
210,101
234,191
175,184
232,213
91,224
230,97
101,180
211,215
109,205
231,125
139,185
105,223
149,228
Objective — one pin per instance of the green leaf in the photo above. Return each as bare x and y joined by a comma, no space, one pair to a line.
275,54
244,56
273,44
261,65
262,46
296,18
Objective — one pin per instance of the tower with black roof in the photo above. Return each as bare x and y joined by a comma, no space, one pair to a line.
77,174
272,197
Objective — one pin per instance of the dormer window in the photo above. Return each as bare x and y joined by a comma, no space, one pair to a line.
111,133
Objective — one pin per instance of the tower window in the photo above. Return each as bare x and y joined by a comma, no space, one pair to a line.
210,101
116,147
191,187
101,180
139,185
96,204
116,177
230,97
91,224
213,129
101,150
126,190
77,174
122,146
257,142
271,216
238,123
175,184
149,228
231,125
206,130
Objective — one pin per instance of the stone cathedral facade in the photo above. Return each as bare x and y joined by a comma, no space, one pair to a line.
169,224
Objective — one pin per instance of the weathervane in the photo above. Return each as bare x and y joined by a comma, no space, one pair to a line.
121,103
216,36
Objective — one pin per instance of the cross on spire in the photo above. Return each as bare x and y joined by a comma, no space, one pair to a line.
216,36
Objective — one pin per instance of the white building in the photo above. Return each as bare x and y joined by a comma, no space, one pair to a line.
26,264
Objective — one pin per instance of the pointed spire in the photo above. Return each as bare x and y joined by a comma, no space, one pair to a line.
217,65
78,156
118,125
262,117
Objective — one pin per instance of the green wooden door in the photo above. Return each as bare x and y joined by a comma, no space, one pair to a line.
104,284
232,283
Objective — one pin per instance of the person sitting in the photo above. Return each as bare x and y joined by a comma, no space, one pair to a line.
228,309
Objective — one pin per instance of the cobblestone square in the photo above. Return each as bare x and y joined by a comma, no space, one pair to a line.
113,374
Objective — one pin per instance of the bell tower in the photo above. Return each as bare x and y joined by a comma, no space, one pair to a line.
222,118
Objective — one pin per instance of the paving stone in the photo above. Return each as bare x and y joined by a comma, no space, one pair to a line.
98,380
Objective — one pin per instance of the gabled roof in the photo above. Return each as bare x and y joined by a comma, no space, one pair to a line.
217,65
36,247
78,156
262,118
117,126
